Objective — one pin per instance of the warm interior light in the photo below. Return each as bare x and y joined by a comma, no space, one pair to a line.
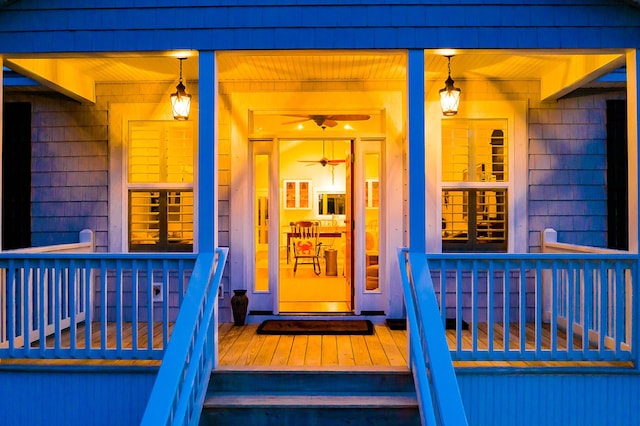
180,101
449,96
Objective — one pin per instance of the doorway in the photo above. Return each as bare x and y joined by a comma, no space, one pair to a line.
315,271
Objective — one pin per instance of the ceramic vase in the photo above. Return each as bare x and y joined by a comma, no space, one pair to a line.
239,304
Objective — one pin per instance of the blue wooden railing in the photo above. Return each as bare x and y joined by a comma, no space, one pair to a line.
181,384
430,361
538,307
57,302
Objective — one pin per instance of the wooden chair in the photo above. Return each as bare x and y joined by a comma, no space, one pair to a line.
306,245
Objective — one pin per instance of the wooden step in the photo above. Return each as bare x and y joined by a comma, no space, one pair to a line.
292,397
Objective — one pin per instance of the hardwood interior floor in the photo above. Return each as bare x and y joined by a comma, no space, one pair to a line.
310,293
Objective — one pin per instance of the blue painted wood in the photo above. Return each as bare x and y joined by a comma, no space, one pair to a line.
416,134
74,396
437,388
549,396
578,281
50,293
317,24
207,151
182,381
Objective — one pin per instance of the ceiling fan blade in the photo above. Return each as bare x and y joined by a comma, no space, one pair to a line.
348,117
329,123
335,162
296,121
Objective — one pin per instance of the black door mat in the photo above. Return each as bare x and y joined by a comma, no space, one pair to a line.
295,327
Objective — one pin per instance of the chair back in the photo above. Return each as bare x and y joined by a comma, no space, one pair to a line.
306,236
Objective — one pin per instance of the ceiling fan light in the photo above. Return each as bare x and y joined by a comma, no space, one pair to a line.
180,101
449,96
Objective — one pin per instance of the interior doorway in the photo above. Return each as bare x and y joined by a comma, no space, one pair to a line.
315,269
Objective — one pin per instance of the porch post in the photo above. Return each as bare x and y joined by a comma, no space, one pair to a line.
207,216
416,154
633,136
1,146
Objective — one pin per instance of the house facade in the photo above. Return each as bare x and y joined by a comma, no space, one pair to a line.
327,112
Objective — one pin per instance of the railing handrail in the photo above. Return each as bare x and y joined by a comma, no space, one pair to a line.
430,359
180,387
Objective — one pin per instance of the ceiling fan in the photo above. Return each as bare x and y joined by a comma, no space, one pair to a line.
329,120
324,161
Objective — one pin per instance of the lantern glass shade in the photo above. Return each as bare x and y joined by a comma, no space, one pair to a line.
449,98
180,103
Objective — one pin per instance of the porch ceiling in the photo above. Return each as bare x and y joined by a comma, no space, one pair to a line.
81,73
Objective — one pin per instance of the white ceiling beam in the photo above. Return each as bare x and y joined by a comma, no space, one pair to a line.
576,71
57,75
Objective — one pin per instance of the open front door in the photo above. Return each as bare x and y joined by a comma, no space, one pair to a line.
348,262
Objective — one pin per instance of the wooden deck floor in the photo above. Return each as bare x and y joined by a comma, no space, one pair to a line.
241,346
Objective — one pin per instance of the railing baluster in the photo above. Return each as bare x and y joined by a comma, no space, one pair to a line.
620,308
490,306
71,293
459,310
88,307
27,309
570,307
149,307
43,307
522,320
474,307
134,305
589,283
506,334
104,300
554,309
118,313
538,308
165,303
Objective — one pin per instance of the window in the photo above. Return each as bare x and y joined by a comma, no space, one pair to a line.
160,186
474,185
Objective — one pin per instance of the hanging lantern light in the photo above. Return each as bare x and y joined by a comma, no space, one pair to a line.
180,101
449,96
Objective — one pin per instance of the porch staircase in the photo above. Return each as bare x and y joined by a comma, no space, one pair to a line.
311,398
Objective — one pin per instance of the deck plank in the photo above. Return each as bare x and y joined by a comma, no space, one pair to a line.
282,351
313,356
298,350
345,351
389,347
360,351
329,351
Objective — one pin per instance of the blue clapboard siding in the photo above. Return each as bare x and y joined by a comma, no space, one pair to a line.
74,396
550,397
160,25
568,170
69,164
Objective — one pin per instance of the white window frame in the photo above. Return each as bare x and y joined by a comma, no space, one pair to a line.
119,118
515,113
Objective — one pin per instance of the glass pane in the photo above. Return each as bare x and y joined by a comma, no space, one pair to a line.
474,150
179,154
261,222
180,217
455,226
372,212
144,152
491,218
144,219
160,152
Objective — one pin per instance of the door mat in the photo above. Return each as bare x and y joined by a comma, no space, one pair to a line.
295,327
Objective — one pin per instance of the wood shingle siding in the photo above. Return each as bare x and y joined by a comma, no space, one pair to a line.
316,25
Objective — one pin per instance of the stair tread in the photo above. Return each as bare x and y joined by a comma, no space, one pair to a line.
333,400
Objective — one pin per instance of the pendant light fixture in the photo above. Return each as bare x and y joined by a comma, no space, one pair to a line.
180,101
449,96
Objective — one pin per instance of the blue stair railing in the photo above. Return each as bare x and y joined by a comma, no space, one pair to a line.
430,360
180,387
